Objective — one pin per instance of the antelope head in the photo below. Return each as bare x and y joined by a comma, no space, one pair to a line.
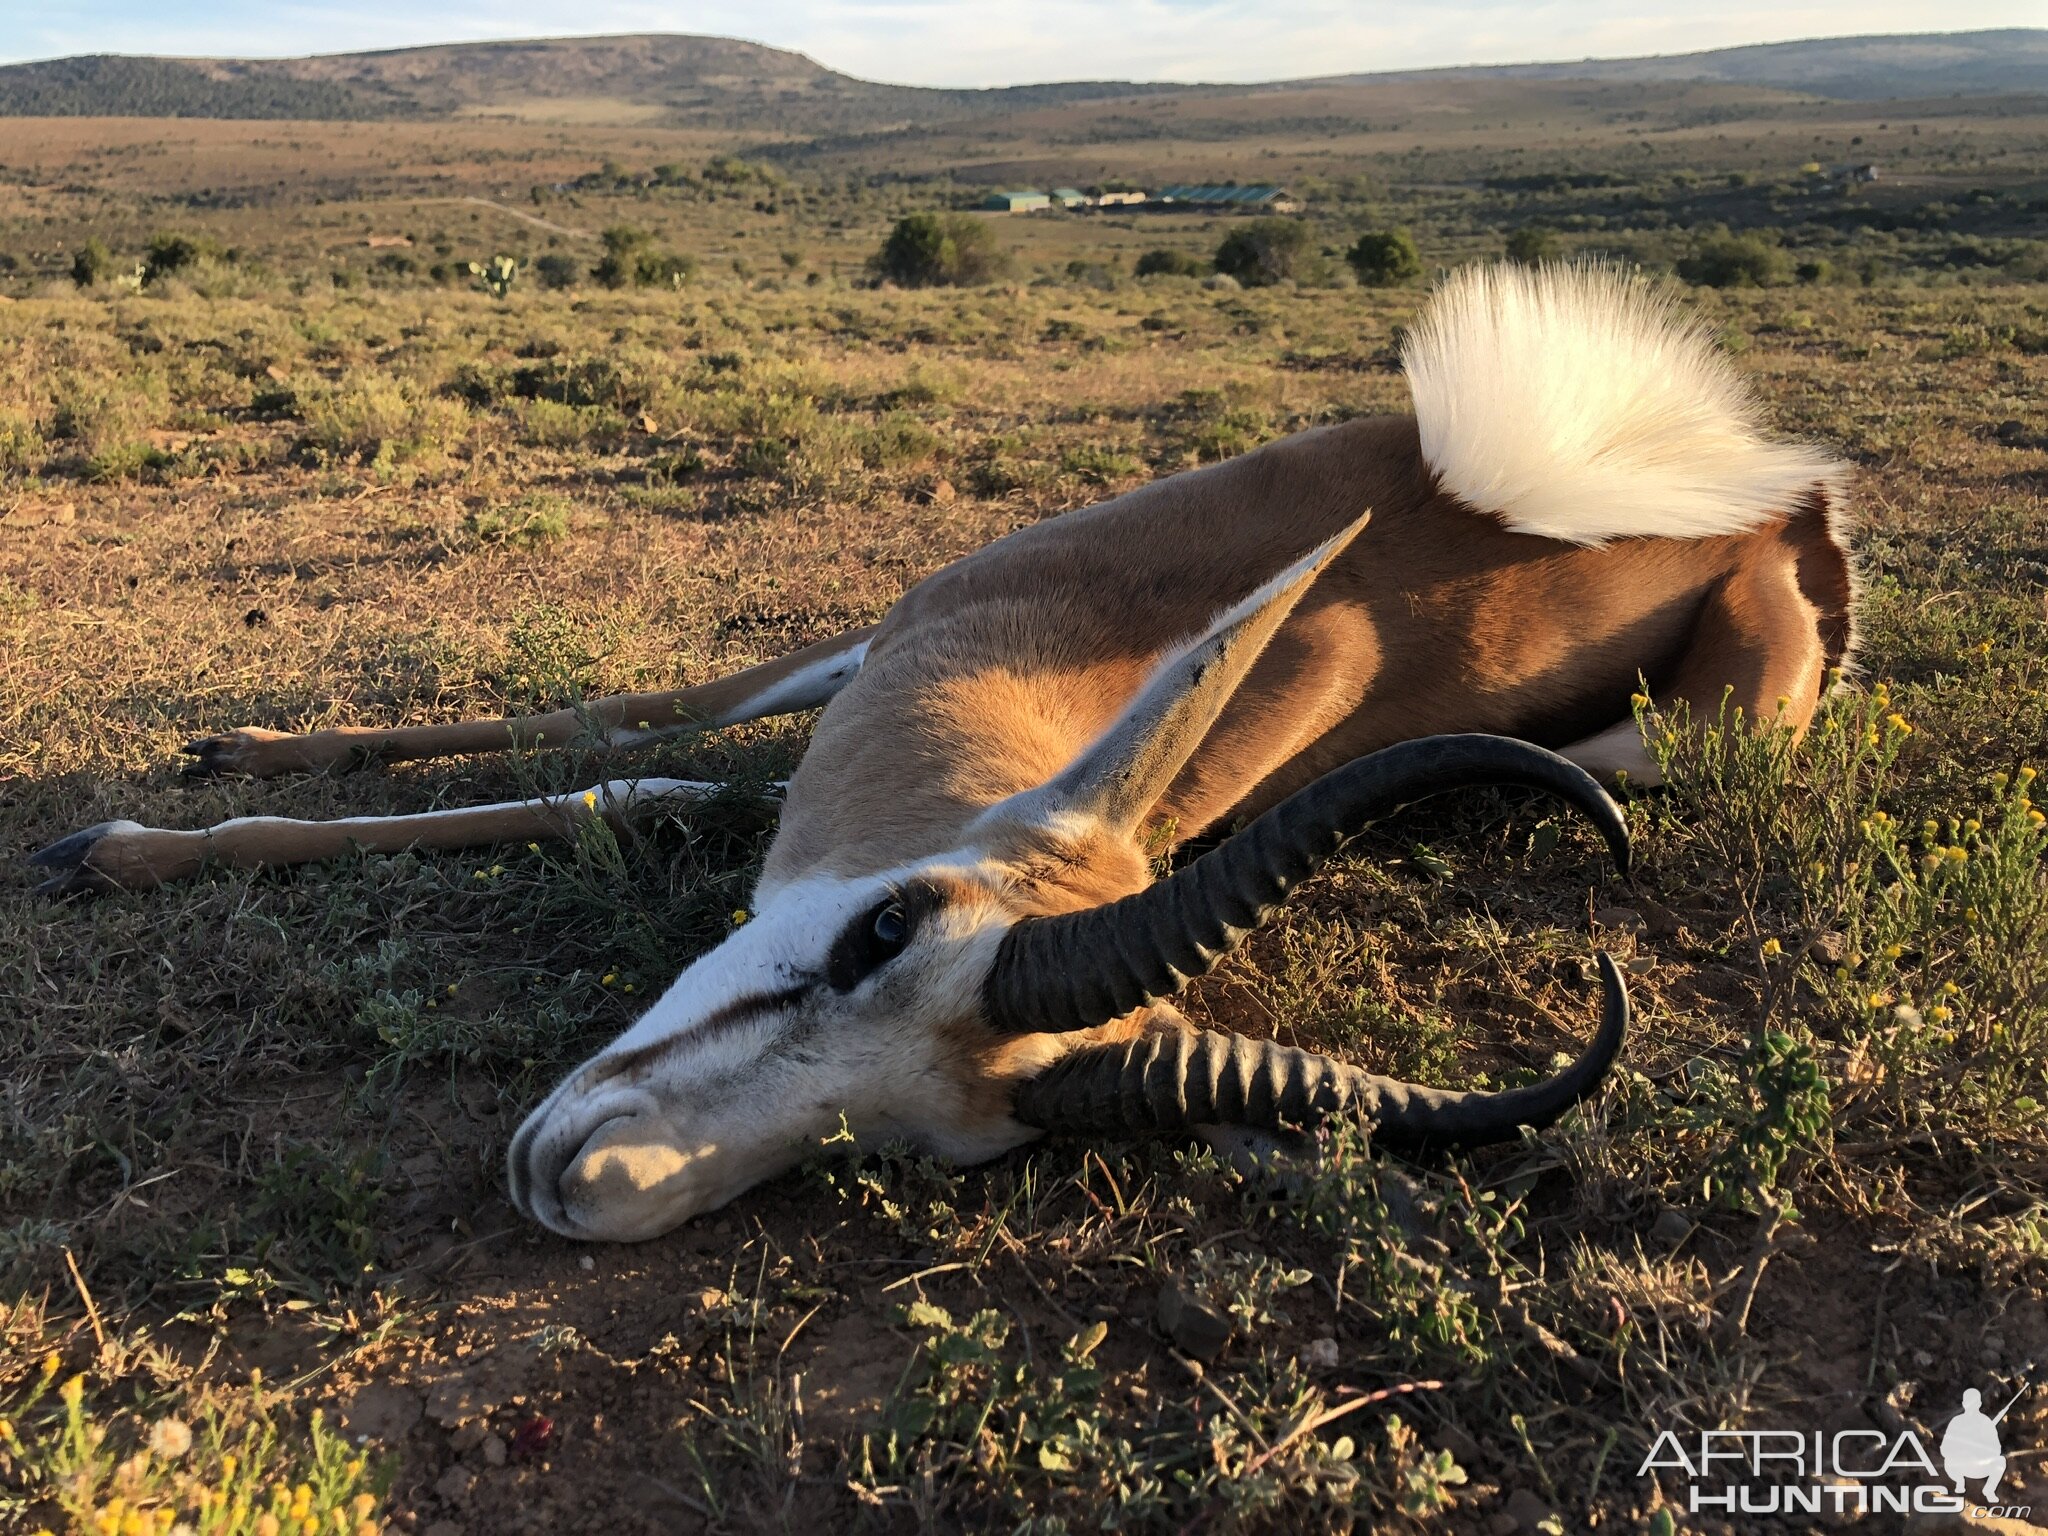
968,1002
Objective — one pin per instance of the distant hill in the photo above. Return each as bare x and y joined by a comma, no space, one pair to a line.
1853,68
709,81
724,83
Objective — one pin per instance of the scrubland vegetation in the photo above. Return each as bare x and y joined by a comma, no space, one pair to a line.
251,1130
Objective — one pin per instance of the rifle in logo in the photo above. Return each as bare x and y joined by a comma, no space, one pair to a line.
1970,1447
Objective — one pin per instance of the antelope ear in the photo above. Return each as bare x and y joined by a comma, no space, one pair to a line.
1117,780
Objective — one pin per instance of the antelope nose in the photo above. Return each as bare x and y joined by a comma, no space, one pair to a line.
549,1182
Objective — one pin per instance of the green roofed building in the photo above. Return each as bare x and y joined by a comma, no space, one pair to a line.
1070,197
1015,202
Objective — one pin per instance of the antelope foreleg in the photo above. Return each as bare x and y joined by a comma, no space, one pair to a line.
803,679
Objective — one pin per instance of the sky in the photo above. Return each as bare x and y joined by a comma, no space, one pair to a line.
1009,42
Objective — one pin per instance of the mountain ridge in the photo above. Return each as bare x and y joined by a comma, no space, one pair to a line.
731,83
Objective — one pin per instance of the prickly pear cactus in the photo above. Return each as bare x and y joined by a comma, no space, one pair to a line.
497,276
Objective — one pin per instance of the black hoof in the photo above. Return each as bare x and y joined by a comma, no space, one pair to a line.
216,756
69,852
68,855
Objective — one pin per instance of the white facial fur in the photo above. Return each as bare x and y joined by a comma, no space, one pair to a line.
751,1058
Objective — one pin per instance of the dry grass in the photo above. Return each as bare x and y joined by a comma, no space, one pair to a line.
264,1116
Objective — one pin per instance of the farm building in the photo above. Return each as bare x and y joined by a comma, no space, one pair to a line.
1015,202
1071,197
1231,199
1125,197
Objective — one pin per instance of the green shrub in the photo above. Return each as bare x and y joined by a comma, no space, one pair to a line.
1815,270
927,250
1170,263
92,263
1532,243
383,422
168,254
555,270
1266,251
632,259
1385,258
1734,261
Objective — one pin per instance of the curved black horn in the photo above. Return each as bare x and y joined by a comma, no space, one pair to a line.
1081,969
1174,1079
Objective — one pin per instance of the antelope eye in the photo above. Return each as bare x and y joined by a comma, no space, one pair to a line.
891,927
876,937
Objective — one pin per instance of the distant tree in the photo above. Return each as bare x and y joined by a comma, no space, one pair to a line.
555,270
91,263
632,259
1266,251
1532,243
928,250
1385,258
1817,270
1170,263
1734,261
623,247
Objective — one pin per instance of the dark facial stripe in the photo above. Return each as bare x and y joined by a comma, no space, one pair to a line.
740,1010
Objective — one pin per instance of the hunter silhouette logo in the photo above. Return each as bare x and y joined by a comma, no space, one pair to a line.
1970,1447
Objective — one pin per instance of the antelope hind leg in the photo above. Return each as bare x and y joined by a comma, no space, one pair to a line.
127,856
804,679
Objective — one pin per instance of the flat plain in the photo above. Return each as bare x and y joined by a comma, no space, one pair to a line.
257,1261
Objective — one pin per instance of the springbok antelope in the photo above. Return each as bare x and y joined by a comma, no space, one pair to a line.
956,939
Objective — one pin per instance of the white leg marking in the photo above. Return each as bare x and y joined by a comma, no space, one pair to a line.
1618,749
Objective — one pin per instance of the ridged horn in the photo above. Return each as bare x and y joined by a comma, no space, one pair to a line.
1174,1079
1081,969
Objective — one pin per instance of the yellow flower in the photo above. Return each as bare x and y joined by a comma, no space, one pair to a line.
740,916
1773,947
1939,1014
2036,817
533,847
1973,825
1899,723
2027,775
590,798
1892,951
1957,854
72,1391
50,1365
1949,989
607,978
1984,648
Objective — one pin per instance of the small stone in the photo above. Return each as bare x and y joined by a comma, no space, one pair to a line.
1322,1355
1502,1524
467,1438
1641,965
942,493
453,1485
1463,1448
1529,1511
1622,919
586,1262
1671,1227
495,1453
2011,430
1195,1328
1830,948
446,1528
